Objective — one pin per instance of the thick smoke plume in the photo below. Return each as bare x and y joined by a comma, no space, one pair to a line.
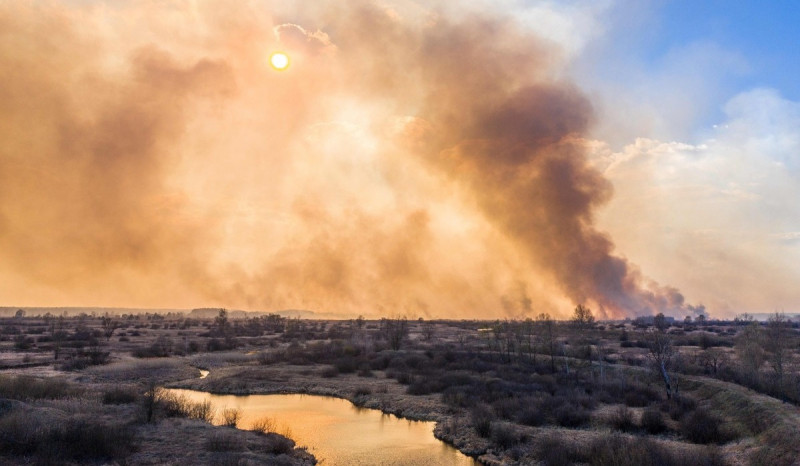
405,163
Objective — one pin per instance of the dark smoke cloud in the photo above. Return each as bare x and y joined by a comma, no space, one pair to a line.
510,135
429,166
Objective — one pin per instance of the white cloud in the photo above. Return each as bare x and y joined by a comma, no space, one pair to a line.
718,219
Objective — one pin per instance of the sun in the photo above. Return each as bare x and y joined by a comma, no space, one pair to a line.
279,60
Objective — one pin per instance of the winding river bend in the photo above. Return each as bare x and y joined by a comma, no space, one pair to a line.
337,432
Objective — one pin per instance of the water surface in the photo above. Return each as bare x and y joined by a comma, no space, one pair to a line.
337,432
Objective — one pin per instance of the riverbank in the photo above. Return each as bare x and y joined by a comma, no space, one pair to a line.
105,415
375,391
497,391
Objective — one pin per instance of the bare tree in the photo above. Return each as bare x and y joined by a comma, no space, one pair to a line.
582,316
712,359
58,335
428,330
527,331
109,325
547,327
778,343
749,349
661,354
395,330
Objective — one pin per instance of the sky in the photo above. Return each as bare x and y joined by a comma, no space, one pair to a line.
428,159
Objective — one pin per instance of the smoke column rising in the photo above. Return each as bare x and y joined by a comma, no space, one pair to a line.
406,163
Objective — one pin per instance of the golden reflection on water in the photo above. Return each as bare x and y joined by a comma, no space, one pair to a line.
340,433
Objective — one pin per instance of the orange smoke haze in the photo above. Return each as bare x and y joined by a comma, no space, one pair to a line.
405,163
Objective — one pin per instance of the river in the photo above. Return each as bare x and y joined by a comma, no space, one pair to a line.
337,432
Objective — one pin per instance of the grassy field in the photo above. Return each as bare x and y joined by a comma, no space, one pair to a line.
505,392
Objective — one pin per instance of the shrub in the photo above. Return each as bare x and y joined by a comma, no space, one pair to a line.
702,427
639,396
346,365
230,417
58,441
679,406
622,419
202,411
364,370
330,372
25,388
482,418
20,433
530,416
503,435
265,425
555,451
278,444
653,421
618,451
225,441
569,415
169,404
119,395
22,342
84,440
161,348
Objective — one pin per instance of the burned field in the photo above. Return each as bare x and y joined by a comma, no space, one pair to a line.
537,391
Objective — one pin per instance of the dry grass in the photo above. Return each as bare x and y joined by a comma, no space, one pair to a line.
137,370
230,417
23,387
174,405
265,425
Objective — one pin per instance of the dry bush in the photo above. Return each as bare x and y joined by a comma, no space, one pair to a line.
555,451
231,416
679,406
225,441
154,370
482,418
265,425
20,433
120,395
622,419
617,450
277,444
653,421
29,388
703,427
201,410
780,447
570,415
504,435
362,390
170,404
58,441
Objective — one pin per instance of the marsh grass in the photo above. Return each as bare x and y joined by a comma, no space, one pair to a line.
230,417
25,388
120,395
170,404
22,433
225,441
265,425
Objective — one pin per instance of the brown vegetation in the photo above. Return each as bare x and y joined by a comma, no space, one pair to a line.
505,391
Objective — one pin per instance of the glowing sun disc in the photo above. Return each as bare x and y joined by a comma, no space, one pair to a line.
279,60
